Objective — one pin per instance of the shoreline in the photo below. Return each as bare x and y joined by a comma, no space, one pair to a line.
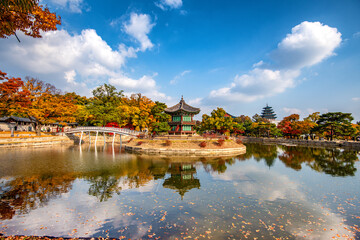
304,143
46,140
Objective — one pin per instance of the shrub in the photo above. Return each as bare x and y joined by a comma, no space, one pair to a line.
203,144
238,141
221,142
168,143
227,137
139,143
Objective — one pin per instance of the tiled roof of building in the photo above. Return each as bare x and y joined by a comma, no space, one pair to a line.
17,119
182,106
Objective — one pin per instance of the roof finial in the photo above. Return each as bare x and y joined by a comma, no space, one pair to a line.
182,98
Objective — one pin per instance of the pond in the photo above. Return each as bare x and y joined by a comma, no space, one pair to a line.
271,192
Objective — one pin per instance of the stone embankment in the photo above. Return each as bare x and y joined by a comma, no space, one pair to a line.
33,141
301,142
188,152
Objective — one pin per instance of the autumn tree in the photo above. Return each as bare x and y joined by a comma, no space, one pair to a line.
257,118
217,121
82,114
290,125
141,117
27,16
47,104
14,100
103,107
335,124
313,117
246,123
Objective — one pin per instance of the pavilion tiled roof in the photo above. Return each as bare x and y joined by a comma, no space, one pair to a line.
182,106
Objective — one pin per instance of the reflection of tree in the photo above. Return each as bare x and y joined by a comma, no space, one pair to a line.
260,152
218,165
335,162
27,193
293,156
104,186
182,178
127,175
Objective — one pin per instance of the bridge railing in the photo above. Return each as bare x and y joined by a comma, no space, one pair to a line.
105,129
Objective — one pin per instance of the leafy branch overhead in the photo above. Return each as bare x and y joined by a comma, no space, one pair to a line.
27,16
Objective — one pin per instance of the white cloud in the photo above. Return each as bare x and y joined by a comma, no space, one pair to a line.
70,76
257,84
308,43
177,77
73,62
59,50
169,4
139,27
195,102
72,5
143,83
292,110
356,99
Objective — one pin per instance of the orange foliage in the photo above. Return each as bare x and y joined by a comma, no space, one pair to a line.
26,16
13,98
47,104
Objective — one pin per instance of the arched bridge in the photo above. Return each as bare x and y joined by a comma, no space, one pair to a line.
120,131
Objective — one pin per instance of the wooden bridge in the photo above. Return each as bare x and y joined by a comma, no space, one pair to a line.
120,131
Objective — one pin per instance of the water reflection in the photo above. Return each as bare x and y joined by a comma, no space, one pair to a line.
182,178
106,192
22,194
336,162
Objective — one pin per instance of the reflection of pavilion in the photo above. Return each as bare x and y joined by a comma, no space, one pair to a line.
182,178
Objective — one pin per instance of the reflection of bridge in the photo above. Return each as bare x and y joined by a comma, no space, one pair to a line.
114,131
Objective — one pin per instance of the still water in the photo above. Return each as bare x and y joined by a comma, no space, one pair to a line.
268,193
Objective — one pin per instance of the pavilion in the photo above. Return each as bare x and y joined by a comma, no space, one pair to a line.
182,118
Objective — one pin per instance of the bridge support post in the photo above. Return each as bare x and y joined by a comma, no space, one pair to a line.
89,139
120,143
97,132
81,137
104,138
113,139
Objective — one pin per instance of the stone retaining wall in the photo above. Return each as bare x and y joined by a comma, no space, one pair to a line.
301,142
33,141
188,152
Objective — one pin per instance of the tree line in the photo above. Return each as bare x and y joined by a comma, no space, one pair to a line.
328,125
46,104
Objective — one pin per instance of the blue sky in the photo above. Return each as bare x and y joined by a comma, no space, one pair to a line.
297,56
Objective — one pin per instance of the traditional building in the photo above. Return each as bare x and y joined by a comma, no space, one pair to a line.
182,118
268,113
18,123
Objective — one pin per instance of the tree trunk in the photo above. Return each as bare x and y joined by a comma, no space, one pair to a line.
37,129
331,134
